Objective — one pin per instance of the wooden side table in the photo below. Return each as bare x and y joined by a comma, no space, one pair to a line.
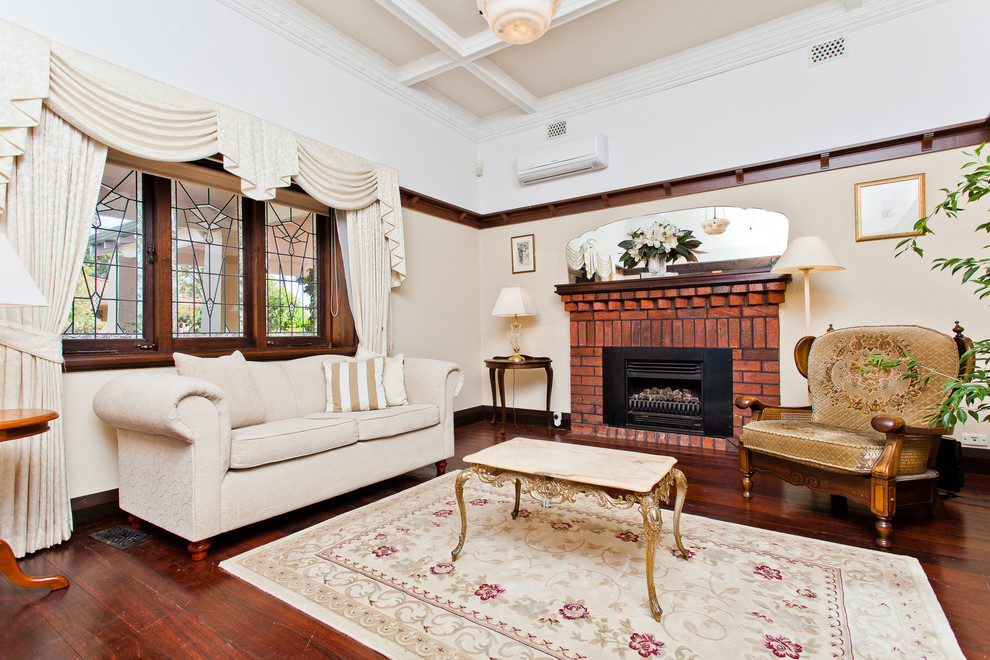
20,423
497,366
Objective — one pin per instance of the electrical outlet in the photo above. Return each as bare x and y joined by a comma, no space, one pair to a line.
974,439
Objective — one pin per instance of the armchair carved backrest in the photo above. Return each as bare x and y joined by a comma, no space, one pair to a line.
845,394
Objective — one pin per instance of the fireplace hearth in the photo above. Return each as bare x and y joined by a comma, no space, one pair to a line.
734,310
683,390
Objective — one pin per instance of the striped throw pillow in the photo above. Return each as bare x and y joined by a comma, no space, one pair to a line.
353,386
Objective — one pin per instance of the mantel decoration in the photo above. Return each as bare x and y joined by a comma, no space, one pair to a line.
658,244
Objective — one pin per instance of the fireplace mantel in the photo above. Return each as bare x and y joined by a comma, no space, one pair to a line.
713,279
732,309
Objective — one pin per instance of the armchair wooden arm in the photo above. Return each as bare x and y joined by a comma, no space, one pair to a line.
762,411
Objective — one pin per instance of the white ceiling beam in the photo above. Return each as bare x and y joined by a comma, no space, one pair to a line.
852,4
461,50
504,84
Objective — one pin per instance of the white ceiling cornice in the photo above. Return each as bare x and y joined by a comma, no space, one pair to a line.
792,32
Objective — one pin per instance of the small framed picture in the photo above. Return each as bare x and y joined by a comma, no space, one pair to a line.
889,208
523,254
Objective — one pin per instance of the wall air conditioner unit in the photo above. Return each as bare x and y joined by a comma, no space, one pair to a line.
584,155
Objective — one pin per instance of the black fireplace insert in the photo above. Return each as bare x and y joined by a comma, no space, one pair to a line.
680,390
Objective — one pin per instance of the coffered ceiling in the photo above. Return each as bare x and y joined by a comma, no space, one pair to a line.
439,56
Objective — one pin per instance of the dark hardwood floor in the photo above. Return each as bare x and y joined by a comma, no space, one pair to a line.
153,601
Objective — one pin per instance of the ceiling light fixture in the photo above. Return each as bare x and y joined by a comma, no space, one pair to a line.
518,21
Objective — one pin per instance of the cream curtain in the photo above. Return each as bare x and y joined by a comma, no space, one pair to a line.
370,286
51,198
147,118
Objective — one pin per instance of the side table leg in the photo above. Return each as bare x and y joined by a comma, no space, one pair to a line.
459,492
651,527
549,371
501,396
681,483
491,378
9,567
515,510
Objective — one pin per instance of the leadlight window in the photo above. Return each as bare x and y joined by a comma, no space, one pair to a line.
207,290
179,261
107,303
291,269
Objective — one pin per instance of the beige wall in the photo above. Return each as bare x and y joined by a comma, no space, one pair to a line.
875,288
455,273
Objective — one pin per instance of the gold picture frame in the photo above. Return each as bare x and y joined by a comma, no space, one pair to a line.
889,208
523,253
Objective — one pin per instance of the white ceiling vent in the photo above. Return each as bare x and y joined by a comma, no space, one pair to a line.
557,128
827,50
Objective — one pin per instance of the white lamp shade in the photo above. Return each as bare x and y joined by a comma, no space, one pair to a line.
807,254
515,301
518,21
17,289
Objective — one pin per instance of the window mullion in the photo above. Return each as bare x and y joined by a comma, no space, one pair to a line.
158,272
254,273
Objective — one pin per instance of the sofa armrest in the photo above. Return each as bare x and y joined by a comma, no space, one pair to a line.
149,403
431,381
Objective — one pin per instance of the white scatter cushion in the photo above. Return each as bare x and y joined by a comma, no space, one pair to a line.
393,376
231,374
355,385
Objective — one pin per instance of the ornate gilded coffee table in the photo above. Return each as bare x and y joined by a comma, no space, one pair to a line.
553,472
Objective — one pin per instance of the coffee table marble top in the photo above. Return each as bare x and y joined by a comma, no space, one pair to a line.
608,468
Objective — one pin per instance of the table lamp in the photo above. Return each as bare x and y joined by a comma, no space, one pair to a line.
17,289
515,301
806,255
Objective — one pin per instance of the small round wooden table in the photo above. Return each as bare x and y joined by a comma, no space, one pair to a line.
20,423
498,365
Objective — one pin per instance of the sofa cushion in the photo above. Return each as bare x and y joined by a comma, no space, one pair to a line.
229,373
288,438
353,386
393,376
833,448
309,381
275,389
387,422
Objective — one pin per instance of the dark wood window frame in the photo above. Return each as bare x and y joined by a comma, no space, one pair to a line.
335,333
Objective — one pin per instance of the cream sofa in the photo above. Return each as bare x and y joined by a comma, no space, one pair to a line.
186,468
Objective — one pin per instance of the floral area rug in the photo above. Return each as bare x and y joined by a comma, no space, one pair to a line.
569,582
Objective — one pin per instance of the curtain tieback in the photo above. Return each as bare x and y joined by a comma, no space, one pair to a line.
45,345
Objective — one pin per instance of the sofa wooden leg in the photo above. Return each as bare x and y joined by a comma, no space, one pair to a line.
441,467
198,549
134,521
884,528
747,479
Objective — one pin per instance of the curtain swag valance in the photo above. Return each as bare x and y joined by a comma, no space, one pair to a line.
150,119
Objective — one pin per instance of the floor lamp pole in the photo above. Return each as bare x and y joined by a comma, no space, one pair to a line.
806,272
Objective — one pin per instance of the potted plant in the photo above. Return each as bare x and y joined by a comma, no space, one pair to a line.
969,398
656,245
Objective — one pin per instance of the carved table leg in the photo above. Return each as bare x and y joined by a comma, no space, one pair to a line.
9,567
681,483
651,528
459,492
515,511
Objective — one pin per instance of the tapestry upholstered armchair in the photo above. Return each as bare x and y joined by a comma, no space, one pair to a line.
866,435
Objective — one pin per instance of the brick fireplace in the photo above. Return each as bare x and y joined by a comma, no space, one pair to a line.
734,310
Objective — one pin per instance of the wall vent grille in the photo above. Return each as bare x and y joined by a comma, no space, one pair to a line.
827,50
557,128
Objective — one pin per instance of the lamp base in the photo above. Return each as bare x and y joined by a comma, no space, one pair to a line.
516,357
